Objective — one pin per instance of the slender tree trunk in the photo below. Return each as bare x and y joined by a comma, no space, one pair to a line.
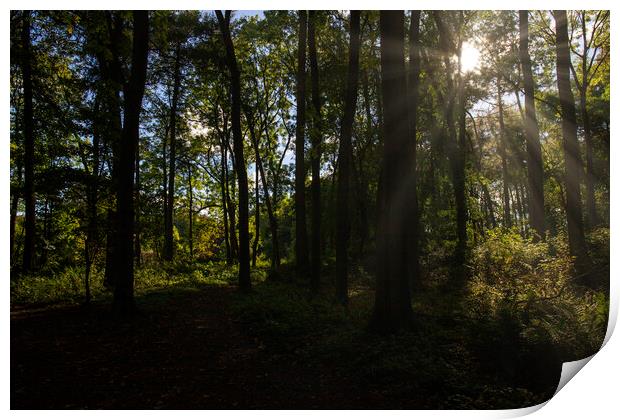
138,242
572,157
456,153
534,155
344,165
14,205
242,176
133,93
315,134
412,194
502,153
169,220
164,144
393,297
232,217
225,205
91,235
256,213
273,222
301,234
29,194
190,194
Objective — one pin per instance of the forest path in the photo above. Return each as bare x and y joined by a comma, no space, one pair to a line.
183,350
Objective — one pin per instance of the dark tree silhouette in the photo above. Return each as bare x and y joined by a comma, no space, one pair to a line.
413,96
315,154
242,176
133,92
29,195
393,297
169,216
301,234
572,156
504,156
345,153
534,155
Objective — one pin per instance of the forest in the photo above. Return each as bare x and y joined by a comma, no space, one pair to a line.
306,209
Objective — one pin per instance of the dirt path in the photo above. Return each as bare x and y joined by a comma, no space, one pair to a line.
182,350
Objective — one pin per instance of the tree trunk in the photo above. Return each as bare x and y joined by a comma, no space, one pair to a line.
393,298
301,234
535,173
242,176
344,165
29,194
169,218
223,189
273,222
315,135
256,212
14,205
91,235
502,153
138,243
456,153
133,93
572,157
190,193
412,194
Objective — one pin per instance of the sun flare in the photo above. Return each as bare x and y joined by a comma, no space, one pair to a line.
469,57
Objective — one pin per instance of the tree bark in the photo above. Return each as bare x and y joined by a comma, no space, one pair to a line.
535,174
315,137
392,309
133,93
572,157
502,153
169,217
29,194
301,234
242,176
138,242
412,194
343,215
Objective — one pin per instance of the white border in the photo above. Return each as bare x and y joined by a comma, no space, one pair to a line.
592,394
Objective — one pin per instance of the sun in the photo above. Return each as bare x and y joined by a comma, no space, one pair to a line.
469,57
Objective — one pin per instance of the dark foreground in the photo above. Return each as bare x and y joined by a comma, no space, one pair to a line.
186,350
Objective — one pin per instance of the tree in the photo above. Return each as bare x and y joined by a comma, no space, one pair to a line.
392,309
28,124
345,153
315,138
589,69
534,155
412,194
169,214
504,156
301,234
572,156
133,93
240,167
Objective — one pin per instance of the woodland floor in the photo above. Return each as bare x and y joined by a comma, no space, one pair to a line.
186,350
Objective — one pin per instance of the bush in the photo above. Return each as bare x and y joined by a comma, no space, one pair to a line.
527,305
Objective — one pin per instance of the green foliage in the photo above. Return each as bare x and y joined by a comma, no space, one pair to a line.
526,294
